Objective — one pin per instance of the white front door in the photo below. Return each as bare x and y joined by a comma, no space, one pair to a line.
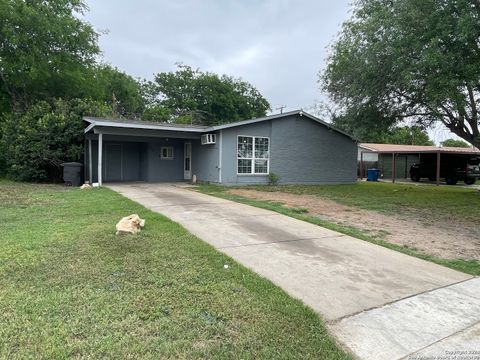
187,161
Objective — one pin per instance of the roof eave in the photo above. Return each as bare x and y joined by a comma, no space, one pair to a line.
252,121
95,123
98,122
272,117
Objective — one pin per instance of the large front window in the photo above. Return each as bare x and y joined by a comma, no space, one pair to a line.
252,155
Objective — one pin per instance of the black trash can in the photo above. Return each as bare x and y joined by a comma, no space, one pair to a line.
72,173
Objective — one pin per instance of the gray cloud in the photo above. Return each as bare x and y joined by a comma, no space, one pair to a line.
277,45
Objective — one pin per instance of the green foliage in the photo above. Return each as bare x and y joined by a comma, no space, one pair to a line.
157,113
34,143
409,59
455,143
368,125
196,97
365,123
407,135
273,179
121,92
46,51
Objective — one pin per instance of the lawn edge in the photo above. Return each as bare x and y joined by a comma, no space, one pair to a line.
471,267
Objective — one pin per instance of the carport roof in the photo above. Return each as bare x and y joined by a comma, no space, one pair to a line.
139,124
409,149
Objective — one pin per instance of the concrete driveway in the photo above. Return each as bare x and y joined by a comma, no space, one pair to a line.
379,303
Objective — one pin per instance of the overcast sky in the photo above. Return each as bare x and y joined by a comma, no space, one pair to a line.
279,46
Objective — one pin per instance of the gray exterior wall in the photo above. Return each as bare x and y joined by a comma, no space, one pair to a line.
164,170
205,161
302,151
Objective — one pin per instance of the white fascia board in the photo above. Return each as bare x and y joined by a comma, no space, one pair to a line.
367,148
252,121
142,126
89,127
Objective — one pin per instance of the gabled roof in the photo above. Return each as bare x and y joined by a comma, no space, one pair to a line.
394,148
150,125
277,116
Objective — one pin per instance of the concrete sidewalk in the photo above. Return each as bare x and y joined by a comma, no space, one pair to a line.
367,293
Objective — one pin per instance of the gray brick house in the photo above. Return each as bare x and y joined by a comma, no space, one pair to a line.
297,146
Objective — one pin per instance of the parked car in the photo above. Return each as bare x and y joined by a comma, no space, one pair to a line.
452,170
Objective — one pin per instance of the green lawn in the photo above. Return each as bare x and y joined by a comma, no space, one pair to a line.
459,203
435,203
70,288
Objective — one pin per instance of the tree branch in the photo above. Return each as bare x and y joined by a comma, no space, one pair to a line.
474,120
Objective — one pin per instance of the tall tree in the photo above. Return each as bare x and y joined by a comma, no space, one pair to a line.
367,123
118,90
47,62
410,59
46,51
190,95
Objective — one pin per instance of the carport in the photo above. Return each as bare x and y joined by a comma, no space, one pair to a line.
129,150
393,151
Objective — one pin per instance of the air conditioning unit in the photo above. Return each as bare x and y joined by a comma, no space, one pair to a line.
208,139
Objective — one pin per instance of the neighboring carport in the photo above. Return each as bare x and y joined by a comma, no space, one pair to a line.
389,156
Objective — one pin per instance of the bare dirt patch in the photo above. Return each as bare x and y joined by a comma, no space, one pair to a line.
446,239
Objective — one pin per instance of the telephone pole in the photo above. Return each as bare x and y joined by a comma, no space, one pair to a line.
281,107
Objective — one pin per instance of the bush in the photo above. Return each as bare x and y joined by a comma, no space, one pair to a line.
273,179
35,142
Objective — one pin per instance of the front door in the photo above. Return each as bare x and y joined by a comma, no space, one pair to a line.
113,162
187,161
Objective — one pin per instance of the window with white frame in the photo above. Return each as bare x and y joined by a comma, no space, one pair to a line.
252,155
166,153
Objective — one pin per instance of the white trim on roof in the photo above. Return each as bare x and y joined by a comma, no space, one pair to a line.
117,124
252,121
366,148
120,124
276,116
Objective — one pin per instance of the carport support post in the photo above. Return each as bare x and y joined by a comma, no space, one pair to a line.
393,167
100,147
361,165
437,176
90,166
